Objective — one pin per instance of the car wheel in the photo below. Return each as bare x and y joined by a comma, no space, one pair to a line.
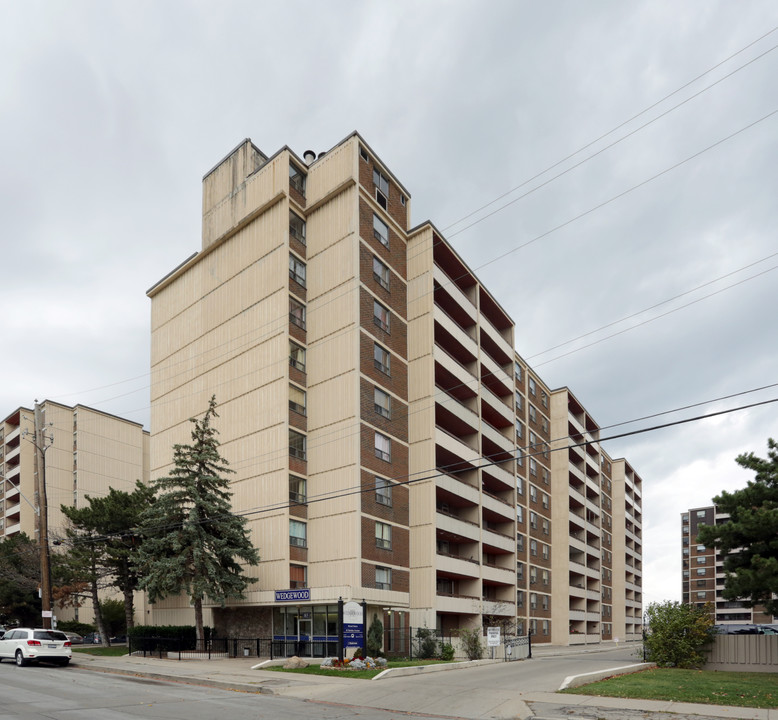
63,663
21,661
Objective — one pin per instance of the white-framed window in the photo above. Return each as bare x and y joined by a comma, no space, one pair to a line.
297,179
298,576
297,269
519,514
533,519
297,356
519,543
297,445
519,429
533,466
383,578
533,575
519,599
544,626
701,594
380,230
544,475
533,548
544,603
298,533
544,398
702,571
383,402
545,526
533,439
519,485
381,187
383,447
544,501
383,491
297,399
517,371
381,316
383,536
701,548
380,273
532,413
702,560
533,601
296,227
296,313
363,153
533,493
545,576
381,359
519,401
520,571
531,383
298,490
544,551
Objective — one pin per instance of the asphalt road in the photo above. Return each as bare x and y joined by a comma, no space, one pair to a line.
49,693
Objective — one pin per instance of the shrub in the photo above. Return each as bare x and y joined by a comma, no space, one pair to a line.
676,634
375,637
471,642
447,652
75,626
428,643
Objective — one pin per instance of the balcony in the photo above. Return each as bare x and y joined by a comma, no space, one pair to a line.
453,375
498,575
461,454
495,378
455,566
456,527
496,437
494,343
458,604
500,474
499,542
494,410
453,415
501,510
456,488
450,336
452,299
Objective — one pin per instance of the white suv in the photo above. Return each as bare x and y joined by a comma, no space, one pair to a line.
26,645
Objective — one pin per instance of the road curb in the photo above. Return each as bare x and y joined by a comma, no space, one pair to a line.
574,681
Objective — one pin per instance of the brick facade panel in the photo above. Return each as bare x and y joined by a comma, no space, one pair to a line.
400,578
396,338
396,425
395,207
297,421
398,555
397,512
395,298
395,254
396,468
396,382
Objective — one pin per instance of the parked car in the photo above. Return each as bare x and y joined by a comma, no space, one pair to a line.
26,645
75,638
744,629
92,638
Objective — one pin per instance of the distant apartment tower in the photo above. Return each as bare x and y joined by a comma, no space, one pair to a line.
86,452
703,572
389,443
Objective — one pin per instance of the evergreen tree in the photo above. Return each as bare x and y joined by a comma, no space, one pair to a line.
191,537
112,521
749,539
20,578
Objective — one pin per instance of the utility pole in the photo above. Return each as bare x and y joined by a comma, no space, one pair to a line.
39,442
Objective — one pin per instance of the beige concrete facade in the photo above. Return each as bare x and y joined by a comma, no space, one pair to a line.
86,453
388,441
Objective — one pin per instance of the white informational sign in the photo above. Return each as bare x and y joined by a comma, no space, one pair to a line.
352,613
492,637
46,613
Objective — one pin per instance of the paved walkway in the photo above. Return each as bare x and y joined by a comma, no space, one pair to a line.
405,694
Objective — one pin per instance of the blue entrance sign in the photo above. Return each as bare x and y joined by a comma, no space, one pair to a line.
293,595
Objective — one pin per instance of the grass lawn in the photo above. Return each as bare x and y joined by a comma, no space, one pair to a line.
755,690
103,651
356,674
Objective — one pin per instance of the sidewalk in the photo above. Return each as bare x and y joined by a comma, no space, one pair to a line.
404,694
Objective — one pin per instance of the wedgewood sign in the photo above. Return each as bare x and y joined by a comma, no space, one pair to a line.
353,625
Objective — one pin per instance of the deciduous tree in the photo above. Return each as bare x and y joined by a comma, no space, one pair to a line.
677,633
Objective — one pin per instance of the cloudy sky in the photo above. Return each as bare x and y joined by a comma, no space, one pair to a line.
111,112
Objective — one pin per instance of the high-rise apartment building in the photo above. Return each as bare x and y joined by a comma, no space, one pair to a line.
389,443
703,572
79,450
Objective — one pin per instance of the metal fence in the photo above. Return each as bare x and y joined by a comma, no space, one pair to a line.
190,648
517,648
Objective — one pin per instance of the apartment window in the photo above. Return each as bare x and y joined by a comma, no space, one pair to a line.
544,627
383,447
533,493
533,439
702,571
520,485
381,316
296,227
363,153
298,489
531,382
544,603
544,424
544,551
701,595
702,560
544,398
298,576
380,273
383,578
533,466
533,519
402,199
533,575
520,460
383,491
383,402
520,571
381,187
532,413
546,448
700,583
533,547
383,536
296,313
519,543
381,359
544,475
545,525
545,576
700,548
544,500
519,401
380,230
519,599
519,429
533,601
298,533
519,514
297,269
517,370
700,513
297,356
297,445
297,399
297,179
